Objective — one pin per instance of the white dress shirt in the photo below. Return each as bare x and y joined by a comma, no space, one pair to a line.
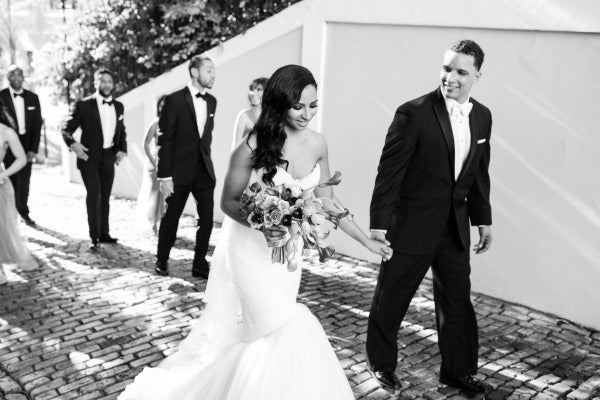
199,108
459,119
108,119
19,104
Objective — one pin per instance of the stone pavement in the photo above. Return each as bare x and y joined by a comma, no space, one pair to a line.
81,325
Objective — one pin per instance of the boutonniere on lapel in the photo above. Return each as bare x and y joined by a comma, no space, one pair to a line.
121,117
481,141
211,115
31,108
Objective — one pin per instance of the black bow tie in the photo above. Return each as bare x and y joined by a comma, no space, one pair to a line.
17,94
109,102
202,95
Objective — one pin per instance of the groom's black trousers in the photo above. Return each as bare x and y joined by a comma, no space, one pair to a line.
397,283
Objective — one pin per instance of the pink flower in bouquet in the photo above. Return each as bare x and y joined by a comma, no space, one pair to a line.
276,216
269,202
268,220
283,206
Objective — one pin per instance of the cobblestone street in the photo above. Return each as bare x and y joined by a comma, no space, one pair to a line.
80,325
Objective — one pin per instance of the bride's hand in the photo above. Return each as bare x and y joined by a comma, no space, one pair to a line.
274,234
379,248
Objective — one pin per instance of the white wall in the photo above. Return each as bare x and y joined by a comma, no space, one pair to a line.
539,79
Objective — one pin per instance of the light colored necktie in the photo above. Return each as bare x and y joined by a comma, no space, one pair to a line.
461,110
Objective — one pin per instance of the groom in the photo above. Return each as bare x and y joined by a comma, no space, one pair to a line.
432,179
184,164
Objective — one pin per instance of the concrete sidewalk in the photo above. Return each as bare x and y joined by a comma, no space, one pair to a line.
82,325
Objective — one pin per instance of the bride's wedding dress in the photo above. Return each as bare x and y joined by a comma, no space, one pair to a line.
253,341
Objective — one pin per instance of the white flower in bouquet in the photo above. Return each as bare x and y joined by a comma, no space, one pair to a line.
317,219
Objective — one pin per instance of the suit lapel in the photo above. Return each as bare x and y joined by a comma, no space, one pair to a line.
26,105
439,108
96,113
473,127
210,109
190,103
118,113
11,107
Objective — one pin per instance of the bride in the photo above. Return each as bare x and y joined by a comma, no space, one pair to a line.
253,341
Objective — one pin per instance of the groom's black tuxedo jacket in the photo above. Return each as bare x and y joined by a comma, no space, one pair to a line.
85,115
415,191
33,118
181,149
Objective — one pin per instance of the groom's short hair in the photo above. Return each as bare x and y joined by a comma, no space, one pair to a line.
101,71
196,62
470,48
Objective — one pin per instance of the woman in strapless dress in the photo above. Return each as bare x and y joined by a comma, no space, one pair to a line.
12,246
253,340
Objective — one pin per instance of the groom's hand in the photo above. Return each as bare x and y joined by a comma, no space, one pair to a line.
485,240
166,187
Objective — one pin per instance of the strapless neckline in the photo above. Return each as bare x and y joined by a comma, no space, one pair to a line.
304,177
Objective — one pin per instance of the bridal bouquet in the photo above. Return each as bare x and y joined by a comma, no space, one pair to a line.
298,220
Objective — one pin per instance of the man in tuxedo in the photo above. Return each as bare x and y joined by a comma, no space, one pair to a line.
432,179
184,164
103,144
24,108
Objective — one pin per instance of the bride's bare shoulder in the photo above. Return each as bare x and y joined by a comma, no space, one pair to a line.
318,141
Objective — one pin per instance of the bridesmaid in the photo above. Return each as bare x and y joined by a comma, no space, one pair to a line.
12,246
150,202
247,117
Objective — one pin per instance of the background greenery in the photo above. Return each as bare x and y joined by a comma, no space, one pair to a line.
141,39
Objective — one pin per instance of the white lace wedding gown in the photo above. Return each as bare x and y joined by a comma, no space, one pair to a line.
253,341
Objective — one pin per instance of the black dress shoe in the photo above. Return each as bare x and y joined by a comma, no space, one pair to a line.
162,268
466,383
108,239
388,380
95,246
29,221
200,267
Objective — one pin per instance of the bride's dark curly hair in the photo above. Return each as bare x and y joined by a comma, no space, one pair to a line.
5,116
283,90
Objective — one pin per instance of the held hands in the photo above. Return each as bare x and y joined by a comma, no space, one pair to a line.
485,240
31,156
80,150
166,187
378,244
120,156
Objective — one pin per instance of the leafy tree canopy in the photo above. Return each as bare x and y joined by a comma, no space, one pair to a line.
140,39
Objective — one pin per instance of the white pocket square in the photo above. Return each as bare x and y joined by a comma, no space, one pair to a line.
211,115
31,108
481,141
